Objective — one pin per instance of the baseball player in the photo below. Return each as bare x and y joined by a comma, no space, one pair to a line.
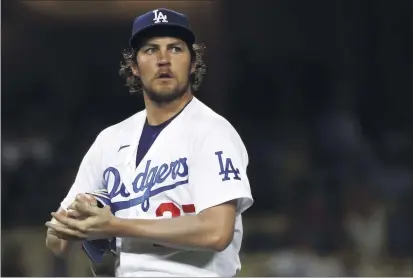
170,182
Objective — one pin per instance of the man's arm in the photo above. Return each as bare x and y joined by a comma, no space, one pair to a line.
212,229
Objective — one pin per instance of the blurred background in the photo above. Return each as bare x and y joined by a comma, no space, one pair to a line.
320,91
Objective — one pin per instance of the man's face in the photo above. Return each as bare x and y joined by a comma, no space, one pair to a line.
164,67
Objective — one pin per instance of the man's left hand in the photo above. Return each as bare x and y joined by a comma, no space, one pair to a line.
98,224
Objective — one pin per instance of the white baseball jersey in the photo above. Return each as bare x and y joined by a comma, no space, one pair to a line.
198,161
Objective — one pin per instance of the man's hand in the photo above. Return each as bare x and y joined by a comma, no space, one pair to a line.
96,224
85,199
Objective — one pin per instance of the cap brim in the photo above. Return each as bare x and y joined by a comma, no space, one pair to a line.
165,29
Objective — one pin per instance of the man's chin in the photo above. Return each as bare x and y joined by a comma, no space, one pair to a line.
164,96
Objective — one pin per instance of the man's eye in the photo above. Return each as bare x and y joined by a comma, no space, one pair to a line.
150,50
176,49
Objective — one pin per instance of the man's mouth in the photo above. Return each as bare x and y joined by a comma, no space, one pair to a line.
164,75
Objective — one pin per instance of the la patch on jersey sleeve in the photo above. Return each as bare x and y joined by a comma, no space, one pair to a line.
218,170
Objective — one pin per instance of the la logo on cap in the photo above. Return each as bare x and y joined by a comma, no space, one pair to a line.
159,16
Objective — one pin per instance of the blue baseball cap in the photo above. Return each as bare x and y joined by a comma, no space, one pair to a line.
161,22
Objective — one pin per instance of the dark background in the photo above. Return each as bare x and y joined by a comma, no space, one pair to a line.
320,91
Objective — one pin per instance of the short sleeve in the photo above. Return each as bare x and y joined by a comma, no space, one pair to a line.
218,170
89,177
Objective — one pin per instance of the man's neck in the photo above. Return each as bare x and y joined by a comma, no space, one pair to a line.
158,113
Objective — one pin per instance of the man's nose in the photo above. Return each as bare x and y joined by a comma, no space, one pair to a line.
163,63
164,59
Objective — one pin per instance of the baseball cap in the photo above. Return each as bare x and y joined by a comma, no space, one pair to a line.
161,22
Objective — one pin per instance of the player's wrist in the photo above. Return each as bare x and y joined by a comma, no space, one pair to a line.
121,227
114,226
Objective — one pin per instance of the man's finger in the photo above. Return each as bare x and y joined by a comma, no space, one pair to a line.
63,236
81,198
71,206
86,209
85,199
71,213
69,222
66,232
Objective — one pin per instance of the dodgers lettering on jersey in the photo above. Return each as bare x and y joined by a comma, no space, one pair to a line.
144,183
198,161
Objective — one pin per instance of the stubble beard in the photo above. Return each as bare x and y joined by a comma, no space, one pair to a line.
163,96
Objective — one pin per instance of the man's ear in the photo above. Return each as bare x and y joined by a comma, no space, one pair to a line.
193,67
135,70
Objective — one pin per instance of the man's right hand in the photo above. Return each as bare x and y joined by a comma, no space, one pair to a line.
58,246
58,243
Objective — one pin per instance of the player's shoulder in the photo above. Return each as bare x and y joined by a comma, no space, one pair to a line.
210,129
122,128
206,121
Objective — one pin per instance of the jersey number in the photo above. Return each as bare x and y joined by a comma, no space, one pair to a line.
174,210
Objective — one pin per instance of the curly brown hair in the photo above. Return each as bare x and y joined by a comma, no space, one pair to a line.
135,84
